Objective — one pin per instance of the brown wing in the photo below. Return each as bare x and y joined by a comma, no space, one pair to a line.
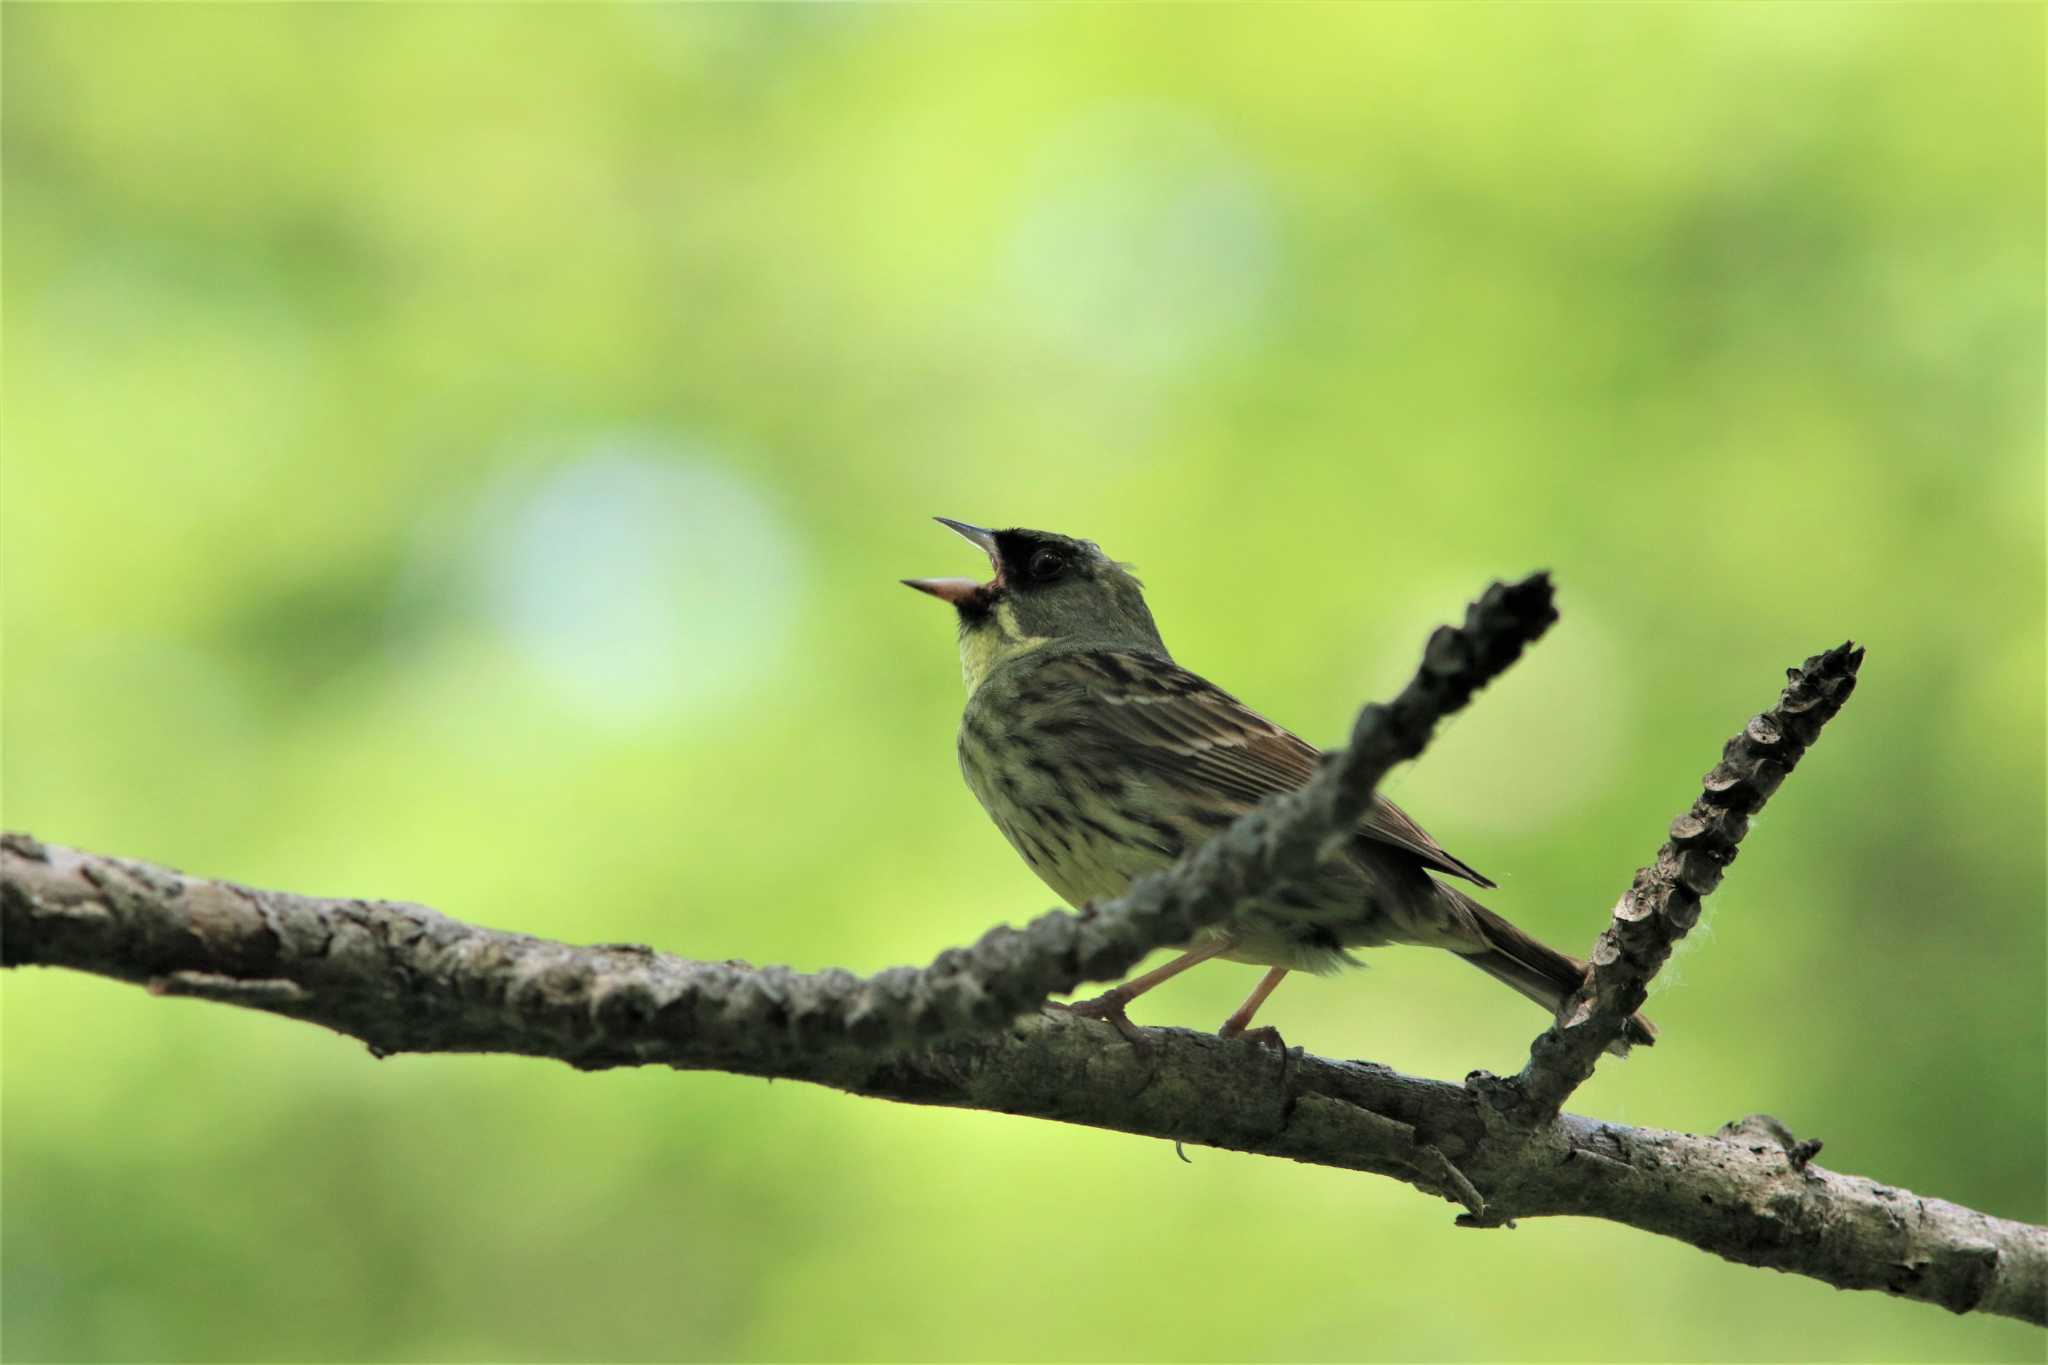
1187,731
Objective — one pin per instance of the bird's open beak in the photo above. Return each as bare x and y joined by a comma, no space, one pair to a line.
954,590
958,590
980,535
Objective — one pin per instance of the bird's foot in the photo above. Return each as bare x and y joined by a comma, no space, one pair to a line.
1109,1007
1265,1035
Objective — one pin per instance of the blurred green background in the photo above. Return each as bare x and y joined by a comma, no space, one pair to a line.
465,454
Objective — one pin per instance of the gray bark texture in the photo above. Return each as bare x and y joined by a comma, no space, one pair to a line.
968,1030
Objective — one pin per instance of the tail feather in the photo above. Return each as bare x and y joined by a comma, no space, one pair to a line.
1539,971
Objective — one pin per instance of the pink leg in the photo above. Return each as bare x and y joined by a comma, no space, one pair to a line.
1234,1026
1110,1004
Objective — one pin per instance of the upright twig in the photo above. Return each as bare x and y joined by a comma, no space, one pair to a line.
1664,903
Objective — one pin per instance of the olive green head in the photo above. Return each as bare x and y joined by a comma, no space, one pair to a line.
1048,589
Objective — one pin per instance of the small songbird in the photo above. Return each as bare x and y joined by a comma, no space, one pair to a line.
1101,760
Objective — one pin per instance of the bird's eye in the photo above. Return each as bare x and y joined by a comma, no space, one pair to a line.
1047,565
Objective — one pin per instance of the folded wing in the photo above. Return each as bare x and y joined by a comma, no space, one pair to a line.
1184,731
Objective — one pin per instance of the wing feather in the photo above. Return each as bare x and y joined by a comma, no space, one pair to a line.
1184,730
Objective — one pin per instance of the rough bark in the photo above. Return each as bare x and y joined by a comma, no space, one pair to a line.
404,978
1664,903
965,1031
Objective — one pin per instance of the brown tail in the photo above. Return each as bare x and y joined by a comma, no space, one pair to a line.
1539,971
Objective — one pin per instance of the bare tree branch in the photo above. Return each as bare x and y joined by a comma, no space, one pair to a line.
1664,903
404,978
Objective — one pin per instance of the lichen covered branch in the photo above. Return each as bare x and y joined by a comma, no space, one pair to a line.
403,978
963,1031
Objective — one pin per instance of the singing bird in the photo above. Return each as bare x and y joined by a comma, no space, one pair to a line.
1101,760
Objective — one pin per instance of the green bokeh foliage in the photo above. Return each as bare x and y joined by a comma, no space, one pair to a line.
1731,316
